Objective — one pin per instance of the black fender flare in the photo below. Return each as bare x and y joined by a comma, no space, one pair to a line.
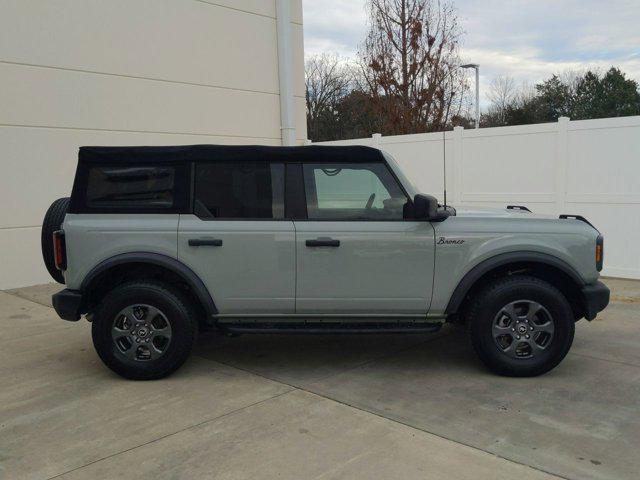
185,273
473,275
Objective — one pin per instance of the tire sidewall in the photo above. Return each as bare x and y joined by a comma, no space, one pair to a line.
495,299
52,221
183,330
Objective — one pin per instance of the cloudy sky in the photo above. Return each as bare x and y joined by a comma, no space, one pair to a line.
524,39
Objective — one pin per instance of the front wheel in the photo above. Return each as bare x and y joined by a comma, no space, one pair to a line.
521,326
144,330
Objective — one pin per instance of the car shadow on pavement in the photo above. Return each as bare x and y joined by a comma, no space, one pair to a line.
305,358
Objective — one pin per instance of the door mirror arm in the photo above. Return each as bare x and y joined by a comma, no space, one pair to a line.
425,207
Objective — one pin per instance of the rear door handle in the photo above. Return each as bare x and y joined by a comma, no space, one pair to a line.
205,242
323,242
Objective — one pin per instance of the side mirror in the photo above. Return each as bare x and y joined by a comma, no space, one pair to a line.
426,207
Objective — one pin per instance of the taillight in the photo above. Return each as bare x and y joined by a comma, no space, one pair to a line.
59,250
599,252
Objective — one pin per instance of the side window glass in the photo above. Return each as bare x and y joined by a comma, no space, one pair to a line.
130,187
358,191
239,190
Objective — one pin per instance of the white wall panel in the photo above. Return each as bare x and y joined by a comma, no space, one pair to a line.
21,258
547,208
186,41
594,152
266,8
511,164
354,141
52,97
259,7
300,108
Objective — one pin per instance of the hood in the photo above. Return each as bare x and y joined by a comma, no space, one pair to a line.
500,219
483,212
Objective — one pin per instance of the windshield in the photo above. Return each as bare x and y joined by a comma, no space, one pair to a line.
406,183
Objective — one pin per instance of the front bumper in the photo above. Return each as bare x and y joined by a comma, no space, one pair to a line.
596,298
67,304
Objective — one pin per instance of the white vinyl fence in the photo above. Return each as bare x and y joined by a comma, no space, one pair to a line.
586,167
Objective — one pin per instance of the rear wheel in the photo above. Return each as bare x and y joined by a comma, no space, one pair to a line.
144,330
521,326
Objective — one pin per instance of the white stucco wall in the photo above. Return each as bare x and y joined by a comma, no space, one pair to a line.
122,72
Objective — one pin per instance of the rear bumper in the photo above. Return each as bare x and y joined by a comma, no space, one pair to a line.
596,298
67,304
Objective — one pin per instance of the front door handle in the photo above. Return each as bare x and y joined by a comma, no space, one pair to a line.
205,242
323,242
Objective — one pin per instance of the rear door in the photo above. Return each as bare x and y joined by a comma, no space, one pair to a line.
238,240
356,253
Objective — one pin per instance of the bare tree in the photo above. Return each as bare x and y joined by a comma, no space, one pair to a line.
327,82
502,94
410,64
572,77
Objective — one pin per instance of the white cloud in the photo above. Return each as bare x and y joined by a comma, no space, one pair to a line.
334,25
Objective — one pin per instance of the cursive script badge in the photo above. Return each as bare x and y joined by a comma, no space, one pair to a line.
449,241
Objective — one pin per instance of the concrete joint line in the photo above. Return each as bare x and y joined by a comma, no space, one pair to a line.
173,433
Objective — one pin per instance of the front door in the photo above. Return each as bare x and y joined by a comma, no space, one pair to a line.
237,241
356,253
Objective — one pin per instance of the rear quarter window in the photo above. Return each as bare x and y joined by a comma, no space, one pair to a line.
131,187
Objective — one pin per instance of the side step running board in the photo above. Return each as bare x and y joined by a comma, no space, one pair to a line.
330,328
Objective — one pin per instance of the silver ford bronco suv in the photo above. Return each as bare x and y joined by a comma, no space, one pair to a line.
158,243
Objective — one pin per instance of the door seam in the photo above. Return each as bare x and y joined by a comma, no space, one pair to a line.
295,268
178,237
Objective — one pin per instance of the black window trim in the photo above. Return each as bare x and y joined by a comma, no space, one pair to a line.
295,203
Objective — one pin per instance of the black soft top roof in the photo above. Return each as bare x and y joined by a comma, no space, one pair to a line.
199,153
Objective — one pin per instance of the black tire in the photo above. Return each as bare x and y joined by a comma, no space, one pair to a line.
488,319
52,221
173,306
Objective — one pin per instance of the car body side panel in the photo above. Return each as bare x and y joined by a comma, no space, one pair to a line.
464,242
252,272
379,267
93,238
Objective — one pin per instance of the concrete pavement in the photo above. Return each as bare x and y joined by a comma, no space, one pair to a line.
317,406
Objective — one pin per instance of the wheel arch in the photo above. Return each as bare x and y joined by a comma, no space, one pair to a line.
144,265
547,267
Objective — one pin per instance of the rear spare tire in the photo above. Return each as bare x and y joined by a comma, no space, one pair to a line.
53,221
